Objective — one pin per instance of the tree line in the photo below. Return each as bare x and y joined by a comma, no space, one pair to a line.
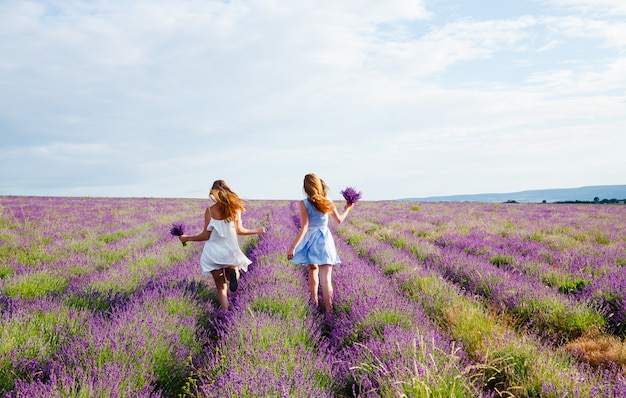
595,200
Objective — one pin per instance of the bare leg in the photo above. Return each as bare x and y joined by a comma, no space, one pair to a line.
219,278
313,281
326,273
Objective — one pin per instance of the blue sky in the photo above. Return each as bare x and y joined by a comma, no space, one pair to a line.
396,98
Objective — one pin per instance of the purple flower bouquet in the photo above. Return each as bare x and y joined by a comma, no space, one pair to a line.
351,195
178,229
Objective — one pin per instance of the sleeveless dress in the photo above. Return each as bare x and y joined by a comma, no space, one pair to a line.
317,245
222,249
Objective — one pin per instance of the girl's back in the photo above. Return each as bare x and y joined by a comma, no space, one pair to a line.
216,213
317,219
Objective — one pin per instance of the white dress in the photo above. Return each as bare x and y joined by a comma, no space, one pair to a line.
222,249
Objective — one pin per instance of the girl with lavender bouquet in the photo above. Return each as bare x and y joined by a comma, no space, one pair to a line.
222,257
314,244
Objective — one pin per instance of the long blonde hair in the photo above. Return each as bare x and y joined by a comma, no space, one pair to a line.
226,200
316,191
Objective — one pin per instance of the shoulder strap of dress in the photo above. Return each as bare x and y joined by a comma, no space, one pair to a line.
210,216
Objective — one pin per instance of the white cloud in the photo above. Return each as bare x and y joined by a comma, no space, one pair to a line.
61,150
164,96
611,79
612,33
602,7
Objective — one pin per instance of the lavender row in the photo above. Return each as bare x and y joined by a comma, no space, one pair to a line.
593,280
578,239
529,299
388,344
384,343
140,348
374,344
532,304
49,243
143,343
510,363
102,277
270,343
579,250
130,348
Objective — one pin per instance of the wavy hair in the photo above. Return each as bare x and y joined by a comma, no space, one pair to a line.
227,201
316,191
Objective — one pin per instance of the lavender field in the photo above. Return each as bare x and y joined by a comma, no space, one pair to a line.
97,299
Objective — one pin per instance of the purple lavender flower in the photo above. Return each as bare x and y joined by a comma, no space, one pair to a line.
178,229
351,195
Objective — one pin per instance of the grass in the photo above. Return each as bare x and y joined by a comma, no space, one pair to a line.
565,283
114,236
393,268
555,317
129,276
6,270
500,260
599,350
283,307
423,375
33,256
35,284
374,324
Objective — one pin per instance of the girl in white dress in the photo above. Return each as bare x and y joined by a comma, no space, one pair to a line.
222,257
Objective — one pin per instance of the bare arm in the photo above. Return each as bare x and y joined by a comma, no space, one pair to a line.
340,217
239,228
304,225
202,236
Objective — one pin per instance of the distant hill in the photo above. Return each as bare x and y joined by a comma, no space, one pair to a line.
549,195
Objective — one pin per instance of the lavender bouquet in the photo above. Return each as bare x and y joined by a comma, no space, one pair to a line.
351,195
178,229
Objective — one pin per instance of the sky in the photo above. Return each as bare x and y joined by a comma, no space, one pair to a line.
398,99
